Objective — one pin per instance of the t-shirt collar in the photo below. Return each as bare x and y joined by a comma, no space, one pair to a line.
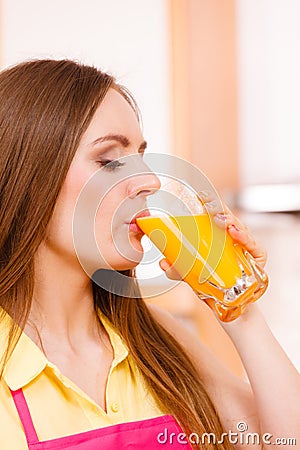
27,361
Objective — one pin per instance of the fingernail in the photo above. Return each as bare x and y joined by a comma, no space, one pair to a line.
211,205
235,228
221,216
164,264
203,194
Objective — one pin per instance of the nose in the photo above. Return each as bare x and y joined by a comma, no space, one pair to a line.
143,185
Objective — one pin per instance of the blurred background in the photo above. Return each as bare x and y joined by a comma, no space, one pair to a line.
218,84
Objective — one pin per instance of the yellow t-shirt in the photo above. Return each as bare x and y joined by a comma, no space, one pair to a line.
58,407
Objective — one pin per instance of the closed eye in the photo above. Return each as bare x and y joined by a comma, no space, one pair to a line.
111,164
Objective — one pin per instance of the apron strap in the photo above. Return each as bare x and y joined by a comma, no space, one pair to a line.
25,417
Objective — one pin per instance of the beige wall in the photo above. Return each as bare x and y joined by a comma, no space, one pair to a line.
269,105
204,75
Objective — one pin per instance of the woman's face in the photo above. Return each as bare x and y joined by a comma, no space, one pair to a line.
91,220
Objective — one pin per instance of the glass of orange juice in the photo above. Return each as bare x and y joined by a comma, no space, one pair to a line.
221,272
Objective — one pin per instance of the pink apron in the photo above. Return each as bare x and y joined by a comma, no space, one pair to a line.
157,433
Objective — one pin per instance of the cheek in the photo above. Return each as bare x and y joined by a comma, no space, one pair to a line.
69,195
75,181
120,248
108,218
61,224
109,226
99,229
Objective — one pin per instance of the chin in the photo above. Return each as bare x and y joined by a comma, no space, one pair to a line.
124,264
123,267
118,261
126,255
120,253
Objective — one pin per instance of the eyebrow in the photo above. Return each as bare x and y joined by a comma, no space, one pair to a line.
123,140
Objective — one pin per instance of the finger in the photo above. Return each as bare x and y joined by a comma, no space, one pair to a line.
220,211
223,215
214,207
246,240
206,196
211,202
241,235
224,218
227,219
171,273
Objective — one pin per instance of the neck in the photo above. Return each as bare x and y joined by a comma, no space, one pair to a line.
63,306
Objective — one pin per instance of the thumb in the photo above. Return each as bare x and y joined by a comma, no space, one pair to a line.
171,273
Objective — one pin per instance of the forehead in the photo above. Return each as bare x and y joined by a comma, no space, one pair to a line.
114,115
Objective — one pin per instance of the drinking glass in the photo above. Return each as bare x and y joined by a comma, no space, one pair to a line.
220,271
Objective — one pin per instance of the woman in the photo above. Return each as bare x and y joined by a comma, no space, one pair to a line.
88,359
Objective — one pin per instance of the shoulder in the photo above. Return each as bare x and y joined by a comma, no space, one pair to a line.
232,395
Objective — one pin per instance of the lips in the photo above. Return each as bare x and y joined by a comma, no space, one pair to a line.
133,226
144,213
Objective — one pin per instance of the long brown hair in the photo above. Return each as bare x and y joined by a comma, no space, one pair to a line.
45,107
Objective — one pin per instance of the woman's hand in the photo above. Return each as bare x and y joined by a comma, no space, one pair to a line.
239,232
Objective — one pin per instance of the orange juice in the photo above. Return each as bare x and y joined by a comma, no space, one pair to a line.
207,259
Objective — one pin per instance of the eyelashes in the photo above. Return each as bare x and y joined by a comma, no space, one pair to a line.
111,164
